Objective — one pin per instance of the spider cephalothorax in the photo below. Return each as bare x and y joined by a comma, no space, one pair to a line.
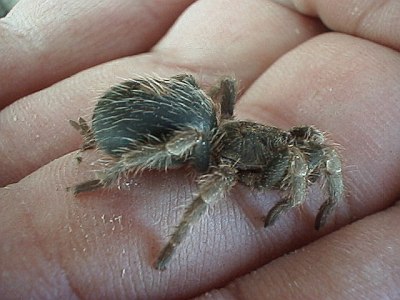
154,123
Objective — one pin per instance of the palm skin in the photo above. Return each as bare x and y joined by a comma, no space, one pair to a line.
291,71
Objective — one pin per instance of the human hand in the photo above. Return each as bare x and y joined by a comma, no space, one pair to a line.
292,71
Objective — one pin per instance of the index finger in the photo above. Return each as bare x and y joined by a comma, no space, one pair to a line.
42,42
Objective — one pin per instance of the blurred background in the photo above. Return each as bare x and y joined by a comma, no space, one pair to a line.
5,6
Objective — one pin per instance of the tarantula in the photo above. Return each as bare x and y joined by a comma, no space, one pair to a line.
154,123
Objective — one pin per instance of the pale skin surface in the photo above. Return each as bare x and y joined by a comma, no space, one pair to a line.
291,72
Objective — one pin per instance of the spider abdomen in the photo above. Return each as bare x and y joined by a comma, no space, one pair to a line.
146,111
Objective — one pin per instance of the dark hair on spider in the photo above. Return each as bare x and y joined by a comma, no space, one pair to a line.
163,123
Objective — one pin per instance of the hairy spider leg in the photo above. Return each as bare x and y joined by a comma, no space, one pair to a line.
296,181
225,93
86,132
321,159
159,156
333,173
212,187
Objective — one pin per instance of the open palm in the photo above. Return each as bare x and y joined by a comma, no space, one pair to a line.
333,64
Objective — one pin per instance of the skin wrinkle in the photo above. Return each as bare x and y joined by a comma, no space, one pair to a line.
300,271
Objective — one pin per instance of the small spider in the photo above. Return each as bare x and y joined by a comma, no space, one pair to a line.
154,123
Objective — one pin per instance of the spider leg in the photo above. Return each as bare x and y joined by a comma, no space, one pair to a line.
333,170
225,93
212,188
86,132
158,156
297,184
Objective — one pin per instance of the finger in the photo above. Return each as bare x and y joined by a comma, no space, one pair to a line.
359,261
44,42
378,21
40,122
224,37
